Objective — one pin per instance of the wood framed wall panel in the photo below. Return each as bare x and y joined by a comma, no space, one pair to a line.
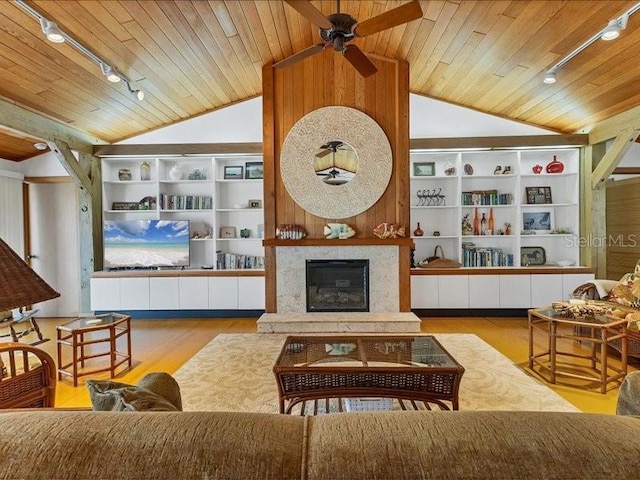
623,227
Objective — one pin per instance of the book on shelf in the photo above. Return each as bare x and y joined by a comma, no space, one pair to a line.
486,197
185,202
473,256
236,261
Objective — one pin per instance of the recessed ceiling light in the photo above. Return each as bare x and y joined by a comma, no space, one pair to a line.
40,146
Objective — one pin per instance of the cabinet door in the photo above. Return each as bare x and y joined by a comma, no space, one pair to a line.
484,291
453,291
194,293
105,294
134,293
515,291
223,293
163,293
545,289
424,291
572,280
251,293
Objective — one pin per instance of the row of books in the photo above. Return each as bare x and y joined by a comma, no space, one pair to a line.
185,202
236,261
485,257
486,197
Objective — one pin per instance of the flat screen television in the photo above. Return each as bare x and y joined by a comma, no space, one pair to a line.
146,243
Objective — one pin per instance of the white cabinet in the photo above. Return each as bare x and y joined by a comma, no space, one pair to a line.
424,291
223,293
105,294
251,294
453,291
484,291
194,293
571,281
220,197
546,289
164,293
528,210
515,291
134,293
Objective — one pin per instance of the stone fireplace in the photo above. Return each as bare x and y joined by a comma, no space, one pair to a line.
337,285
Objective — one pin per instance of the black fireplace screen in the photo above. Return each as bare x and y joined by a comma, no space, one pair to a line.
337,285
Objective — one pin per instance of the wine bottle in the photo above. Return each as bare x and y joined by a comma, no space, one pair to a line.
483,225
491,221
476,223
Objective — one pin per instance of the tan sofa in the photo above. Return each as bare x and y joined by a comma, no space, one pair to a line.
382,445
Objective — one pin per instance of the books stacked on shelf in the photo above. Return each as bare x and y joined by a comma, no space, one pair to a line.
185,202
235,261
473,256
486,197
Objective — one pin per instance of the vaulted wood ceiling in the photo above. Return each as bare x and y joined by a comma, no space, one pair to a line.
192,57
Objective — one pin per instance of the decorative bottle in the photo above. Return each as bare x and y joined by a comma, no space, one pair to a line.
491,225
483,225
418,231
145,171
476,223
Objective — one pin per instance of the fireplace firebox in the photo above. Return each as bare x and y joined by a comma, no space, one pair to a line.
337,285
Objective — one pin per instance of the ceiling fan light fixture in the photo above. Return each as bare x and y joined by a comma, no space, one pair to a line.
550,78
611,31
51,30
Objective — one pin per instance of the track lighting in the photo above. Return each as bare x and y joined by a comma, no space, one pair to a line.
51,30
610,32
54,34
550,77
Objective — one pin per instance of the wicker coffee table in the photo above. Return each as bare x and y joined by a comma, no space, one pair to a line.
413,368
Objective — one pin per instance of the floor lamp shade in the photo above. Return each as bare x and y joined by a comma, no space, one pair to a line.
19,284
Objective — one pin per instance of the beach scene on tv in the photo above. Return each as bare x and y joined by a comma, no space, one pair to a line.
146,243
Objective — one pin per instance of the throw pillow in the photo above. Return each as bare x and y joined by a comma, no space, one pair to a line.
155,392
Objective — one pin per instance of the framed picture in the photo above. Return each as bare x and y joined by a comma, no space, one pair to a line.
537,221
254,203
233,172
227,232
253,170
532,256
424,169
538,195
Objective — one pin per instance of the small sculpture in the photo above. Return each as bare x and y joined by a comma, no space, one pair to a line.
389,230
290,232
338,230
537,169
467,229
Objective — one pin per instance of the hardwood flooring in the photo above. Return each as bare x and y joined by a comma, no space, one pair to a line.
166,344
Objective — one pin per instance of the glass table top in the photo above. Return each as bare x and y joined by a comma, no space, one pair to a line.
93,321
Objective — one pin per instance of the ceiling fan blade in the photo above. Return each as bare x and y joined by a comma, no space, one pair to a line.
397,16
311,13
359,60
323,154
301,55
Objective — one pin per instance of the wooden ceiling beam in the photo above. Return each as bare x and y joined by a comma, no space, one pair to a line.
63,153
516,141
27,122
614,154
177,149
611,127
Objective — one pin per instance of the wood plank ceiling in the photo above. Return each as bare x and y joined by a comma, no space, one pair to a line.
192,57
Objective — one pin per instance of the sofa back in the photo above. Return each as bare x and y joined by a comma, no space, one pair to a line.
398,445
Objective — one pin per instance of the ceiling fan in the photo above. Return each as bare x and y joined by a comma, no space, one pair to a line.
338,29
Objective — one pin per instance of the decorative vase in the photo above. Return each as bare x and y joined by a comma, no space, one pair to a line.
124,174
145,171
483,225
476,223
555,166
491,225
418,231
537,169
175,173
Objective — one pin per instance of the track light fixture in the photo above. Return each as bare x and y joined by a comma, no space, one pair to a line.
51,30
54,34
610,32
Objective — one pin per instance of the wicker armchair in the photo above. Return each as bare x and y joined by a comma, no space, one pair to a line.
27,377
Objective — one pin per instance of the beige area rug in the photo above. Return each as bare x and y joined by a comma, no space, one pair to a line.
234,373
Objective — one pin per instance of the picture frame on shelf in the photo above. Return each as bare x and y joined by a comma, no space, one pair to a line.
532,256
538,195
254,203
253,170
424,169
537,221
233,172
227,232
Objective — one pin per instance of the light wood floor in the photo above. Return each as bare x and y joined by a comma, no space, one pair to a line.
166,344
